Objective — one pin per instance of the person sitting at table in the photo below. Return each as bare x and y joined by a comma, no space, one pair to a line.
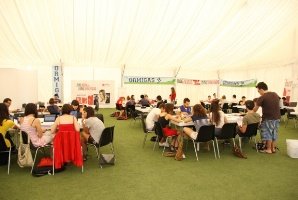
185,108
164,120
92,129
76,109
199,117
153,116
5,124
159,101
56,99
217,117
242,101
251,117
32,126
143,101
223,100
285,101
119,105
67,142
52,108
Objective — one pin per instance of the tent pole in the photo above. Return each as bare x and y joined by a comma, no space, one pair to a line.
218,86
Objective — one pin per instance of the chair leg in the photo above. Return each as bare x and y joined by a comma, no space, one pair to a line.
240,144
145,138
34,159
155,142
53,160
195,148
214,149
99,159
234,142
82,158
9,155
164,148
256,144
216,141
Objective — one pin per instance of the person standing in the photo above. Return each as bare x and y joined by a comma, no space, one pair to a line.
173,95
269,101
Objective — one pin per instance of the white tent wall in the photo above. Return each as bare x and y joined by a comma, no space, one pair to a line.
274,77
19,85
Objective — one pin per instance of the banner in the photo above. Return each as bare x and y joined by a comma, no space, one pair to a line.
57,81
197,82
93,92
246,83
149,80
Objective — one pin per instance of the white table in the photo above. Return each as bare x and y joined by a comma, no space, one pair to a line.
144,110
240,106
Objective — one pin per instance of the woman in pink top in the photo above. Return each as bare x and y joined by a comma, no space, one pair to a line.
32,126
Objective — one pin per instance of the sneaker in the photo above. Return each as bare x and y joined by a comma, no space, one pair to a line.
164,144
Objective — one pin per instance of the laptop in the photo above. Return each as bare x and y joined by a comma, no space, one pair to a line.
49,118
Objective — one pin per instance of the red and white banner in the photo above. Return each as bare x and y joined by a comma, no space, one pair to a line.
197,82
92,92
288,89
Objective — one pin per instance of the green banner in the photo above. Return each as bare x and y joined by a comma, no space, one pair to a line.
246,83
149,80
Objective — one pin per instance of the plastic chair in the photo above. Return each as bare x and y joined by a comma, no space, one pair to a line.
25,140
4,149
146,131
291,117
107,137
206,134
100,116
251,131
228,131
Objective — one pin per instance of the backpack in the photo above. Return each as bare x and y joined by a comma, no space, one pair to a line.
45,167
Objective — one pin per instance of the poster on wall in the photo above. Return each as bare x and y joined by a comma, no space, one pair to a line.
92,92
288,89
57,81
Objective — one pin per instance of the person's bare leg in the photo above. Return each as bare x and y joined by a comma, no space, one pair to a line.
268,146
273,145
84,140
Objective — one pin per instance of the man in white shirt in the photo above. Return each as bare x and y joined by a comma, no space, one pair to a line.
153,116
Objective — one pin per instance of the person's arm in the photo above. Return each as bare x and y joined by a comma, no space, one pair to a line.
55,125
242,128
76,124
188,119
173,118
255,109
85,128
38,127
225,119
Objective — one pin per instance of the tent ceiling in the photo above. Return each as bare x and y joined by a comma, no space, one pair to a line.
194,34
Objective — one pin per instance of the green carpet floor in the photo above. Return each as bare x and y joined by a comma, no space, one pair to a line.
144,174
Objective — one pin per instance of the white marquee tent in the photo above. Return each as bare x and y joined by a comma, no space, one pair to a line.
104,39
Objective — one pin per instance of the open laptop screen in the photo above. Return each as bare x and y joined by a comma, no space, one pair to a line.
49,118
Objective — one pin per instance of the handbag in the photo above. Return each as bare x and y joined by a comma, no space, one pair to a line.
24,154
238,153
107,159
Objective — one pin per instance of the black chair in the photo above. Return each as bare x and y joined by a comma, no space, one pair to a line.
225,107
3,152
100,116
251,131
283,112
25,140
291,117
205,134
146,131
106,138
160,134
228,131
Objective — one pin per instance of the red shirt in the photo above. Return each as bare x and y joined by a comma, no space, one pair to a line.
173,96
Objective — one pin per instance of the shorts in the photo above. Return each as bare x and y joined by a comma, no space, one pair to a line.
194,135
269,129
169,132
